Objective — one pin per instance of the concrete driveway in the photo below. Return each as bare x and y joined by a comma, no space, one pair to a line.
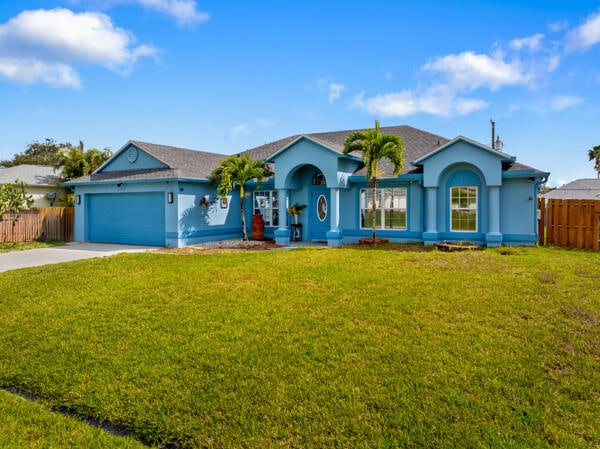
66,253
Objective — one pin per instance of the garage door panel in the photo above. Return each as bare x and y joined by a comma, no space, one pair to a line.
129,218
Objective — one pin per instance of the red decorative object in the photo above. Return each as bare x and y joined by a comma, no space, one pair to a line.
258,227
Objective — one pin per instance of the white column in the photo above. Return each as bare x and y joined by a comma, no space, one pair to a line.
283,207
334,236
334,217
430,235
493,236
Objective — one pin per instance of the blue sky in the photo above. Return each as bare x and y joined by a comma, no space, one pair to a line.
225,76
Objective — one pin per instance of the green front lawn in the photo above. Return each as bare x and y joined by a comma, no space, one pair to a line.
316,347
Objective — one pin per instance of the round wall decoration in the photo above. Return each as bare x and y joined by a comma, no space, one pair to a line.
132,154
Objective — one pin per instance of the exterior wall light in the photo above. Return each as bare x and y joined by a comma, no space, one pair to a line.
170,197
77,199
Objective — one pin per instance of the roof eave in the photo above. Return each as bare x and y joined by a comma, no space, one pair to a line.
514,174
403,177
321,144
502,156
132,181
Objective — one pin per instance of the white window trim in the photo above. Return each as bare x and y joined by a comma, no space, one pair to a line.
476,208
273,195
382,209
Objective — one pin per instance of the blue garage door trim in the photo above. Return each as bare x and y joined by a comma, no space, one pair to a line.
128,218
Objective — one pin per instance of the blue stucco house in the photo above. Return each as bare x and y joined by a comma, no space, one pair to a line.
449,190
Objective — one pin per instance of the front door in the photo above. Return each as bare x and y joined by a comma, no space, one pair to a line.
319,213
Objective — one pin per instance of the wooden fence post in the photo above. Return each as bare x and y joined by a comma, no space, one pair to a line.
541,221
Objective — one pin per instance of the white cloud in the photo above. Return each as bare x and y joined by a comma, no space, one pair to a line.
185,12
557,26
435,101
42,46
32,71
325,86
469,71
457,74
237,130
565,101
454,77
334,91
586,35
529,43
553,63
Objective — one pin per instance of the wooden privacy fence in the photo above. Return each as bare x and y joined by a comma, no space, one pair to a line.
570,223
49,223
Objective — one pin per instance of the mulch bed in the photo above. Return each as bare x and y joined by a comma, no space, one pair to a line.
223,247
369,241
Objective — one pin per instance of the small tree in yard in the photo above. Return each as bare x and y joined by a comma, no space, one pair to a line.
594,155
14,198
236,171
375,146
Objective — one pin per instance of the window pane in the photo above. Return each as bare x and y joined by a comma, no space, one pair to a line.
265,203
463,206
390,208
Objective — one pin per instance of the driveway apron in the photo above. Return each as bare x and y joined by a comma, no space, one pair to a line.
58,254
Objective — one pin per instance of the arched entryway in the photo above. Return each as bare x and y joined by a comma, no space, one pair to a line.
316,188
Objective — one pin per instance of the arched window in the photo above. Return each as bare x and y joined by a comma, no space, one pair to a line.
464,191
319,179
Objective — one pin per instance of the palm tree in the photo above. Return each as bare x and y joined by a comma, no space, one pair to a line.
594,155
236,171
375,146
75,162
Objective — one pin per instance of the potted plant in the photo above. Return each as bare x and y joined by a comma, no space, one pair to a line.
295,210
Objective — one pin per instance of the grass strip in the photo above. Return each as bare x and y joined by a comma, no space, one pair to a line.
25,424
21,246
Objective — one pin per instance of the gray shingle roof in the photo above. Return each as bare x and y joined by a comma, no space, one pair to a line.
33,175
180,162
580,189
417,143
192,164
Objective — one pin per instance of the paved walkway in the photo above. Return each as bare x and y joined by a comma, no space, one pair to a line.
58,254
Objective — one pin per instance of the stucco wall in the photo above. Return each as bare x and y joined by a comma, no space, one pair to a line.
519,206
123,161
38,193
186,221
304,152
198,222
488,163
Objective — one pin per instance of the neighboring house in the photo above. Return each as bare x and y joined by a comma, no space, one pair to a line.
581,189
41,183
452,190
